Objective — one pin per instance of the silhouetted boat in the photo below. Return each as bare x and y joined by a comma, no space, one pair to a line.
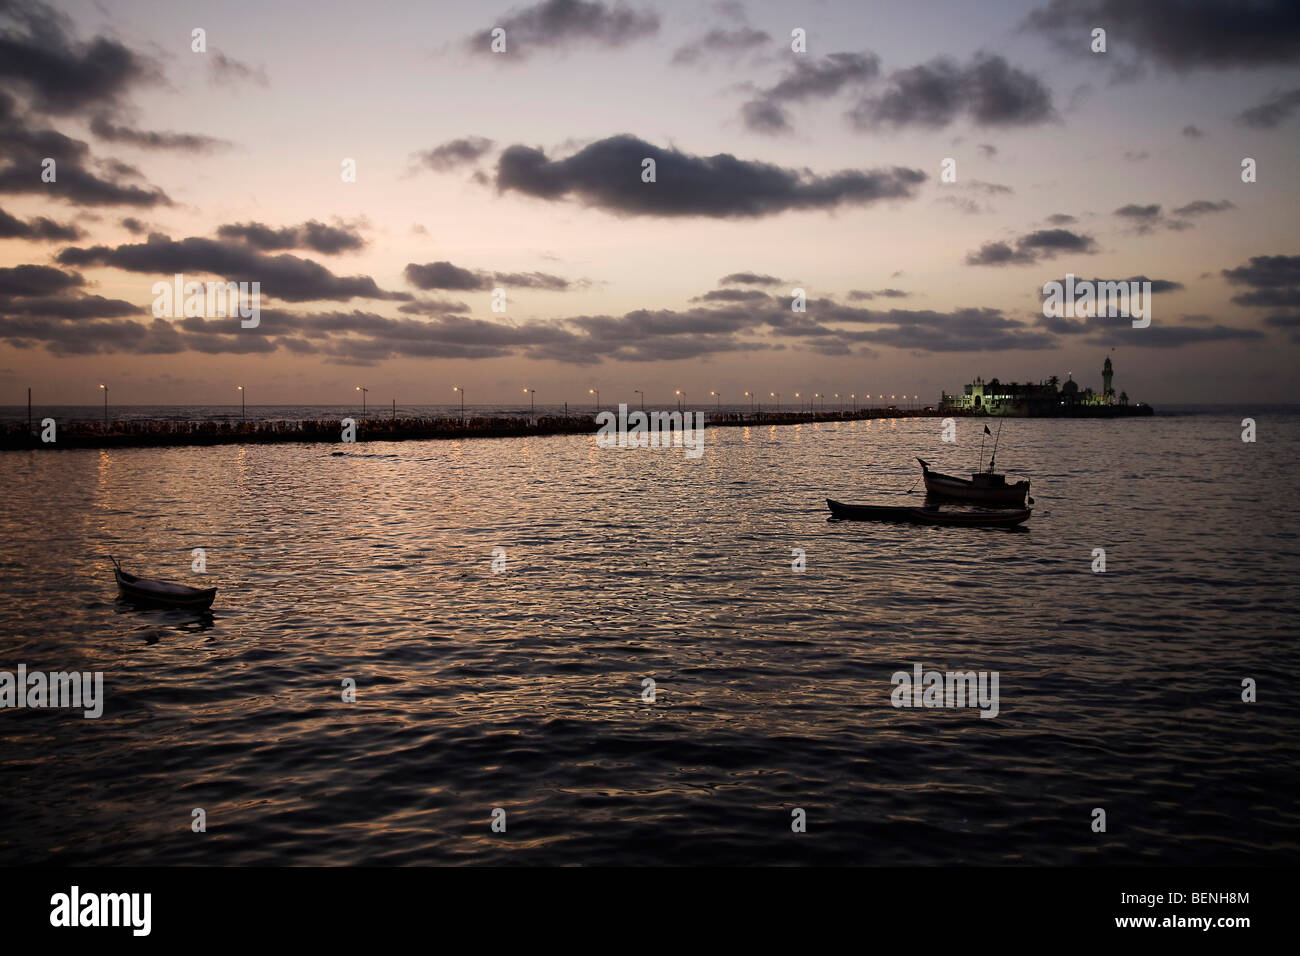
983,487
146,591
983,518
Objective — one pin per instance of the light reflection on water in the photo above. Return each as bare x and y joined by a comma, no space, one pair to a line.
522,689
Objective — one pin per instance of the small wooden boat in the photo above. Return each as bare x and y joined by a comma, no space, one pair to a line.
981,518
165,593
983,487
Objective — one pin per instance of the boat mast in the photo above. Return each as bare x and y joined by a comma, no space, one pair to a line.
993,456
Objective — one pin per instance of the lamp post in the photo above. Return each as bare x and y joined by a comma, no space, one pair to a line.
532,402
457,388
777,396
105,388
816,395
854,396
837,395
363,390
719,398
800,397
680,395
596,392
642,394
243,412
750,396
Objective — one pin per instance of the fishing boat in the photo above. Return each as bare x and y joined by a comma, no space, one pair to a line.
983,487
930,515
147,591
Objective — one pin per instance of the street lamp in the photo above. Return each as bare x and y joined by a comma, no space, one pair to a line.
105,388
837,395
457,388
363,390
854,396
800,397
596,392
777,396
750,396
719,398
642,394
680,396
532,402
243,413
816,395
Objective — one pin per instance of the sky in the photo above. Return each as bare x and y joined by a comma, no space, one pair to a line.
776,169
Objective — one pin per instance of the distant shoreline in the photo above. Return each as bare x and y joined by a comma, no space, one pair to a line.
166,434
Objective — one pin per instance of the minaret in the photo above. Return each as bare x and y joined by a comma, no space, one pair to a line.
1107,391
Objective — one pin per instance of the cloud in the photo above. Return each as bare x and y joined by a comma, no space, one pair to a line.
749,278
1270,114
447,277
282,277
858,295
227,71
1061,219
38,229
453,153
36,280
987,150
607,175
721,44
313,235
1146,219
988,91
1274,281
733,295
60,74
562,23
184,142
1180,35
79,177
1192,131
1032,247
1201,207
807,79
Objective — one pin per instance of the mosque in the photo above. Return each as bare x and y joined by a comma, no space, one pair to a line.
1043,399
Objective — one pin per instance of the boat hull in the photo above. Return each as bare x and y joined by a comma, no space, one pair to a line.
163,593
1001,518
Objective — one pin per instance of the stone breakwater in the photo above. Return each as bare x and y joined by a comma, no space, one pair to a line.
144,434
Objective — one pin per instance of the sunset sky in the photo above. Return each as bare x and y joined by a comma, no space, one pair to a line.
776,170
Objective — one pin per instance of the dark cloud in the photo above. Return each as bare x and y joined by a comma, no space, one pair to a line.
733,295
1032,247
1192,131
1061,219
79,177
1201,207
226,71
1270,114
989,91
808,79
60,74
1181,35
451,278
859,295
282,277
749,278
426,306
134,226
1146,219
607,174
561,23
721,44
67,307
1104,331
987,150
456,152
1274,281
39,228
36,280
313,235
183,142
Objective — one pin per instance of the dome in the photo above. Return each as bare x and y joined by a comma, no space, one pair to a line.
1070,388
